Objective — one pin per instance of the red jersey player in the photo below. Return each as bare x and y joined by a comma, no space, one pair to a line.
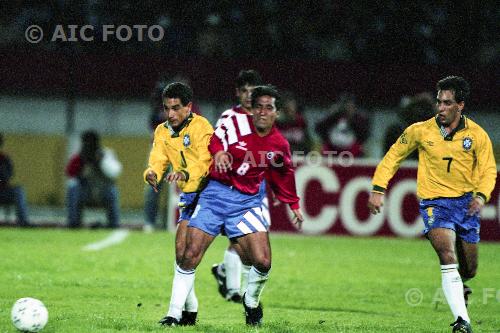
244,148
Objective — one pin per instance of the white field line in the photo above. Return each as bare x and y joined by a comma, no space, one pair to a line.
116,237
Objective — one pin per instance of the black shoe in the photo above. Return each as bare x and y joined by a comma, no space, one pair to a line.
467,292
253,316
221,280
461,326
188,318
236,298
168,321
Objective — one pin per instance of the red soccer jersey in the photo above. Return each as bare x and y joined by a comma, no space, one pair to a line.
253,155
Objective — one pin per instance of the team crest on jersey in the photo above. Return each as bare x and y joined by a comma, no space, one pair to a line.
270,155
186,140
467,143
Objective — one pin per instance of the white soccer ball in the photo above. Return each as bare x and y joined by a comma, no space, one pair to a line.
29,315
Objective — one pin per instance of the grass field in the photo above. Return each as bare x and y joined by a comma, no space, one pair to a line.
317,284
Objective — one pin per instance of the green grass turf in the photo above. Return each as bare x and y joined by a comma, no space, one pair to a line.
317,284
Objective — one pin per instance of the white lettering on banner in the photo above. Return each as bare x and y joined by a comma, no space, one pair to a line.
348,208
328,179
395,213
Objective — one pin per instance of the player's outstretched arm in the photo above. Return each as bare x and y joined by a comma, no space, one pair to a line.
375,202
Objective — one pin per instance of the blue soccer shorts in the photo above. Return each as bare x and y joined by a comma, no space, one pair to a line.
222,207
187,204
451,213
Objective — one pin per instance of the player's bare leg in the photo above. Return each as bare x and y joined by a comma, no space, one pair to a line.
246,265
257,247
443,241
467,254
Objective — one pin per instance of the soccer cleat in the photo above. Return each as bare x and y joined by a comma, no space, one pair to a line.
169,321
188,318
221,279
253,316
236,298
461,326
467,292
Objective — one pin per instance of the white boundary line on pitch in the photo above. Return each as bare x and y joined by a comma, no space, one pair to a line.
116,237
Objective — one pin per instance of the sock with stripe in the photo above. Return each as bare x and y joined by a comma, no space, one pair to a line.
232,264
245,271
256,282
454,291
182,285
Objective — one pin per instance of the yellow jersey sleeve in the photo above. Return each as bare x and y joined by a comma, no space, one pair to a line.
404,146
158,157
486,168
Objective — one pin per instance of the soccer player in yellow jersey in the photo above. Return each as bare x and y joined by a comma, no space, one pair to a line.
456,175
181,143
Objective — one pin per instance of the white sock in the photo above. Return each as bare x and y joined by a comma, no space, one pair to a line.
245,270
181,287
256,282
453,289
232,264
191,302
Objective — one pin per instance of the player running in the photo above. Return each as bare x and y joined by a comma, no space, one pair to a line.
456,175
182,143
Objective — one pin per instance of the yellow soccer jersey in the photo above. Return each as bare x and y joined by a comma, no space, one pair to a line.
186,151
449,165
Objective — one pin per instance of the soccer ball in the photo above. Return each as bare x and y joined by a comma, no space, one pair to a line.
29,315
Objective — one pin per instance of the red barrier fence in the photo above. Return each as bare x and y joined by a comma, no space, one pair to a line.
333,199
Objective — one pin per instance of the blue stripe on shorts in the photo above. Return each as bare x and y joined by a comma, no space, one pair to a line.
222,207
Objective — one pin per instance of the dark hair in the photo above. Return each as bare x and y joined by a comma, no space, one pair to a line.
178,90
90,137
267,90
250,77
458,85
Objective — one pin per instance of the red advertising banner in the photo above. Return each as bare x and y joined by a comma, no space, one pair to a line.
334,199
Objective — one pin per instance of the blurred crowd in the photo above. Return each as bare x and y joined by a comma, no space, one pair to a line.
416,32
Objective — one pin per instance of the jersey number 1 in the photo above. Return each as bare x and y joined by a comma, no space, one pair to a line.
449,159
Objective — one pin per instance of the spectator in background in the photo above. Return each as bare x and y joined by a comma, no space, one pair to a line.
345,129
11,194
92,174
292,125
417,108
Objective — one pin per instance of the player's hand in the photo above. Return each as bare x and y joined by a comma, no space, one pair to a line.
174,176
475,206
223,161
275,200
298,218
152,180
375,202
